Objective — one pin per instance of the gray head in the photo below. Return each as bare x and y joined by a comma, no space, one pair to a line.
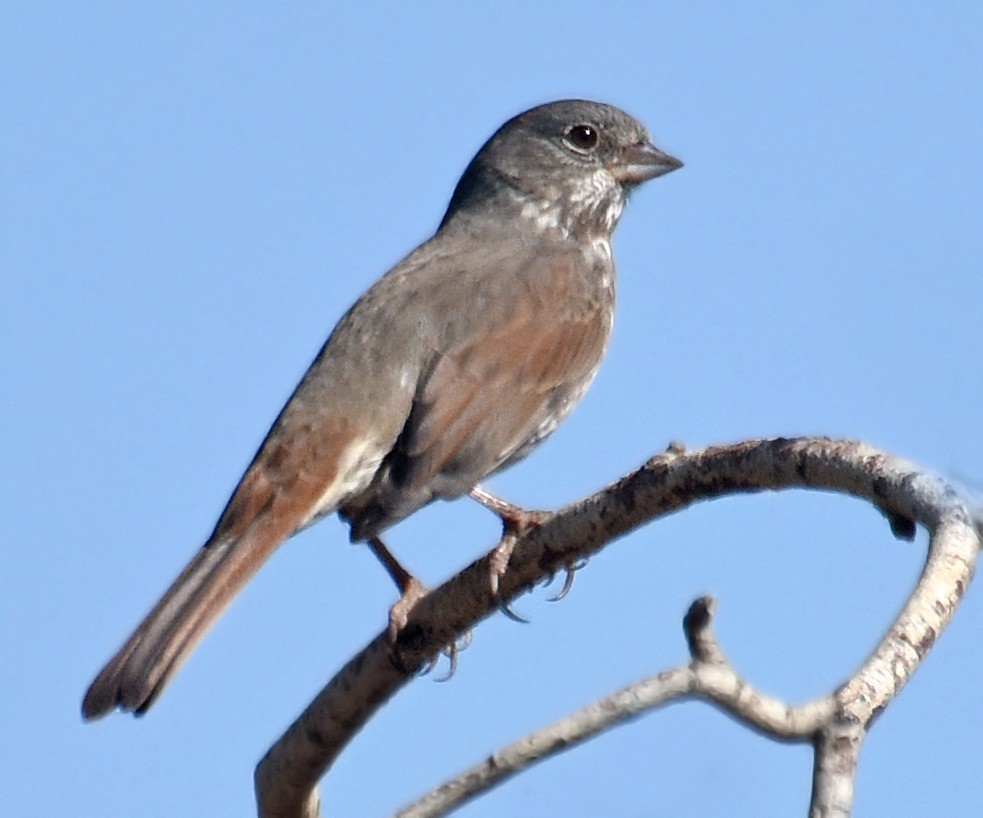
566,167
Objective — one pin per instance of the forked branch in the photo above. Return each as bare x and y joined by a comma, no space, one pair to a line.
286,778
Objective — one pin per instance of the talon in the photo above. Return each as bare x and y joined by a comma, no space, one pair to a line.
450,652
567,585
571,572
506,609
428,667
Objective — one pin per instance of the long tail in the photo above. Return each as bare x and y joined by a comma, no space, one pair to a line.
135,676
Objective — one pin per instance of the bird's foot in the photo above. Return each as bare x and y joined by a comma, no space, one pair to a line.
498,563
516,521
411,590
410,593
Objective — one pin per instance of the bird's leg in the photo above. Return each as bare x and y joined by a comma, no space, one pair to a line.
516,521
411,590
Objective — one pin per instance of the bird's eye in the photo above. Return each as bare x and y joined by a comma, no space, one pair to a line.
582,137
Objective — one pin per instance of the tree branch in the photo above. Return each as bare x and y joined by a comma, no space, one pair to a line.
708,675
287,776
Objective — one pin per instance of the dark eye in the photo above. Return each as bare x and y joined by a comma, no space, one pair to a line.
583,137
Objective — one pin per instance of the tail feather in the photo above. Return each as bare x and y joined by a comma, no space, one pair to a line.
135,676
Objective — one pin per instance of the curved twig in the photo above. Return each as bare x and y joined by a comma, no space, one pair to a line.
708,675
287,776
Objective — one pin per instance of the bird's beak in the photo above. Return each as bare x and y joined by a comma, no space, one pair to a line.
642,161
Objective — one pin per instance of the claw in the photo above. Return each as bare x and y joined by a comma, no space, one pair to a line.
571,572
450,652
428,667
567,585
506,609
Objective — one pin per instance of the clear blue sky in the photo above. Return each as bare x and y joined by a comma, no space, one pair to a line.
193,193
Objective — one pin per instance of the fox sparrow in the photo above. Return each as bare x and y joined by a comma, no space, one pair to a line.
455,364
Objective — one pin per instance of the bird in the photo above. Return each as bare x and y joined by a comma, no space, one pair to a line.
456,363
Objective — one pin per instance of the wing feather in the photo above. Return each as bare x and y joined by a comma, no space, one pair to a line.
491,394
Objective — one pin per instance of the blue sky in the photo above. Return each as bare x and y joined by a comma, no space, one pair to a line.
192,195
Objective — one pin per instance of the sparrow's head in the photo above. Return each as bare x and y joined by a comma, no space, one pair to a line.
565,167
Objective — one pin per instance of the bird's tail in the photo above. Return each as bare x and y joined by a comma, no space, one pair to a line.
135,676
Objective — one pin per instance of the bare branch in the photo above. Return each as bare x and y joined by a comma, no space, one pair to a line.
707,676
287,776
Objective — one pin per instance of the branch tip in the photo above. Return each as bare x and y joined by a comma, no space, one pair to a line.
699,636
